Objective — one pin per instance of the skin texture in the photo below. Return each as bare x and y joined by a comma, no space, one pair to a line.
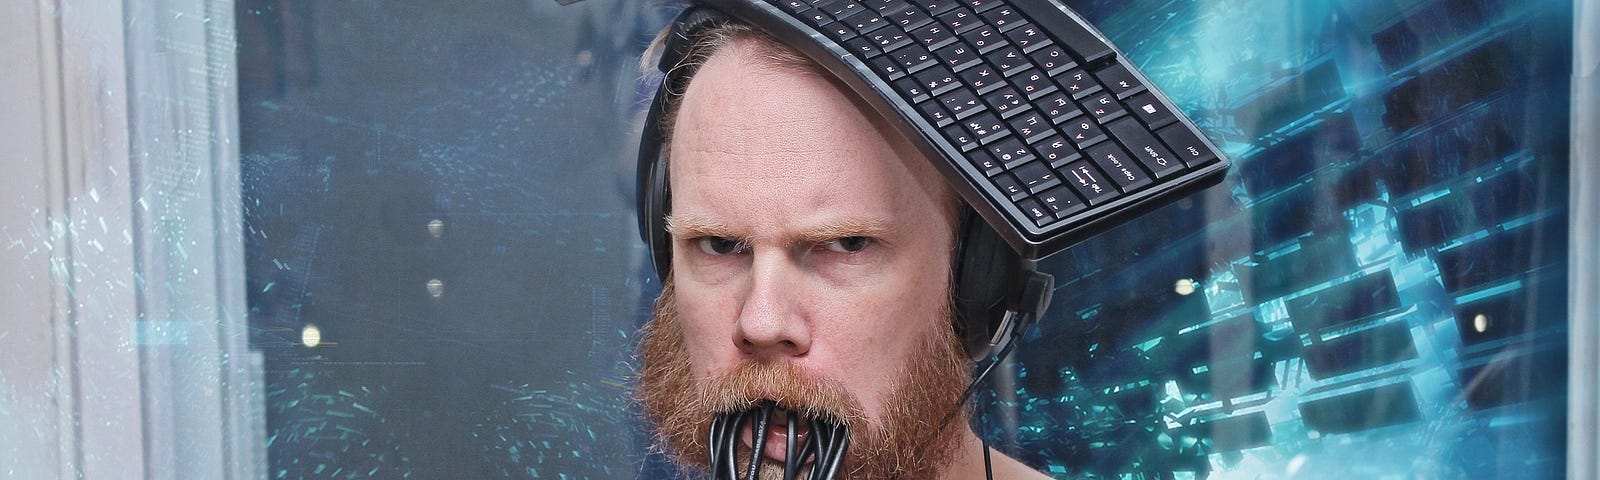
811,245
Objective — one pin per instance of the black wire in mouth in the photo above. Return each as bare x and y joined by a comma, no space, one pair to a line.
824,447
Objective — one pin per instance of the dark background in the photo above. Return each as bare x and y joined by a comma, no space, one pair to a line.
1400,173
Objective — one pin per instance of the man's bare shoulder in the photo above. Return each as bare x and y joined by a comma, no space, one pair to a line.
1009,468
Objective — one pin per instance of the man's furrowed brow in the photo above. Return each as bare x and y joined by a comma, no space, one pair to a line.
873,228
694,226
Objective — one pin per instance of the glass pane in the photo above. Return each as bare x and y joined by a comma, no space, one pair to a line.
446,278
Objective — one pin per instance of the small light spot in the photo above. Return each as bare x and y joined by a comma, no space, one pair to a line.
436,288
1480,323
436,228
1183,286
310,336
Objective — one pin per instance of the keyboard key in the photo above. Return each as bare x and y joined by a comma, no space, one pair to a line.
1144,147
1004,18
934,36
982,78
961,102
881,6
862,46
985,127
936,80
1033,83
816,18
1119,80
1010,151
1056,151
1028,38
1040,215
958,56
985,162
1030,125
960,20
1152,111
867,23
1078,83
1090,48
1009,185
1086,180
959,137
1061,202
887,68
1008,60
1118,165
839,31
939,115
1084,132
1007,101
1189,147
936,7
889,40
841,10
909,17
1059,108
984,38
1104,107
981,5
913,58
1036,177
794,6
1053,60
911,88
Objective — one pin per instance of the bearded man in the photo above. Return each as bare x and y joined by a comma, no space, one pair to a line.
810,272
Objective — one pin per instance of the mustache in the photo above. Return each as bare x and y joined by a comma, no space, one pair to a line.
750,384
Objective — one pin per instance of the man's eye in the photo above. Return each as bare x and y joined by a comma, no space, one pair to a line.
848,244
718,245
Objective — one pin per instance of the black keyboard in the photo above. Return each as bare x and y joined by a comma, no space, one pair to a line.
1043,126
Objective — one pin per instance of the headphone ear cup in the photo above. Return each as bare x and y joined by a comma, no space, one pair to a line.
986,273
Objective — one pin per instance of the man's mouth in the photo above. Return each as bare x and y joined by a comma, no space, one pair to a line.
786,438
781,429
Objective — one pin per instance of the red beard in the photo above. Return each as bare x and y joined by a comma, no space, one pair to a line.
902,444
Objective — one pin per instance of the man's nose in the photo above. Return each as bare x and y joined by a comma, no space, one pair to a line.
772,322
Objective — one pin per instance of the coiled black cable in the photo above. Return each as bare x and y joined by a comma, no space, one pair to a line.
824,447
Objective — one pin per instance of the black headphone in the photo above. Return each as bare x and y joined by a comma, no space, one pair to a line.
997,292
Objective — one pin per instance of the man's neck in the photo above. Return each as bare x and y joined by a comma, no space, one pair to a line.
968,462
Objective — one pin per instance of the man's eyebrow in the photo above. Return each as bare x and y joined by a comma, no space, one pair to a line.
875,228
694,226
